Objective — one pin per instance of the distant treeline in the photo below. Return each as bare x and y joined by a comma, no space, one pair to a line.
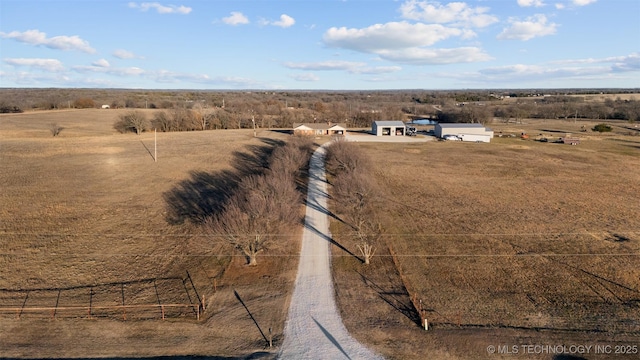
188,110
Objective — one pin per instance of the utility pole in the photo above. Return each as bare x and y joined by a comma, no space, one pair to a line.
253,120
155,145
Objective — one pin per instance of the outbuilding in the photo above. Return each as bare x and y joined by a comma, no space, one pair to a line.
318,129
465,132
388,128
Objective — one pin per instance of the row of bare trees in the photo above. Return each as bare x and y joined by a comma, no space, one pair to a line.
266,206
356,195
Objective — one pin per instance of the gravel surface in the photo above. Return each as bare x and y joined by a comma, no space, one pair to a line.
314,329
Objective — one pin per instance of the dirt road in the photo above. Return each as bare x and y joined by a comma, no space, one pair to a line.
314,329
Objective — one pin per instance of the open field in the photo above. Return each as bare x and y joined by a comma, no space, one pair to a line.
509,243
88,219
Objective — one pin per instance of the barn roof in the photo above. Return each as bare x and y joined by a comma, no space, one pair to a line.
460,125
388,123
319,126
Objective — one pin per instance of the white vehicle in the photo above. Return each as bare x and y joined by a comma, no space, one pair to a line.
452,138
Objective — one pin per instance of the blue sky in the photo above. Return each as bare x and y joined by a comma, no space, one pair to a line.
320,44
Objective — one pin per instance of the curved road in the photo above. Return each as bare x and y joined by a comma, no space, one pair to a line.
314,329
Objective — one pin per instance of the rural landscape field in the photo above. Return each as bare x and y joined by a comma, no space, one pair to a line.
511,243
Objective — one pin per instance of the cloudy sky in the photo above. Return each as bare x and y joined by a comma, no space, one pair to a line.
320,44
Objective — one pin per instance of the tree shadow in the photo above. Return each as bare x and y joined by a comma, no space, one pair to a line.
331,338
323,210
328,238
393,299
205,193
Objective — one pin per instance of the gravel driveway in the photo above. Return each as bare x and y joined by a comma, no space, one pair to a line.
314,329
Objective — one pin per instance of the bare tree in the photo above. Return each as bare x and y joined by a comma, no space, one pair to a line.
55,129
343,156
245,231
355,193
263,205
135,121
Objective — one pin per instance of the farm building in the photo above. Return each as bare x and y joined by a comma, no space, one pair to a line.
466,132
312,129
388,128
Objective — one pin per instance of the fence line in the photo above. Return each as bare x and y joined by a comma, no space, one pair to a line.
188,286
19,311
417,304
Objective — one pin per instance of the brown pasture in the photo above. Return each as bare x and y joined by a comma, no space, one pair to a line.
516,242
85,221
510,243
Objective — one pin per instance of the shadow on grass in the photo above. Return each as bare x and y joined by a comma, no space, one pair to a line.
251,316
206,193
399,300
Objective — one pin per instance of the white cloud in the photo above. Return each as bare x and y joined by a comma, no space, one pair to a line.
627,63
427,56
161,9
236,18
51,65
352,67
101,63
393,35
532,27
582,2
407,43
528,3
305,77
376,70
458,13
124,54
36,37
325,65
126,72
284,22
573,3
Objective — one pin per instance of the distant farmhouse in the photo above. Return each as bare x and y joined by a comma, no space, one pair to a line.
388,128
319,129
464,132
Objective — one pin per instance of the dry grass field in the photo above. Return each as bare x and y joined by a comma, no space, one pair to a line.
508,243
516,242
89,219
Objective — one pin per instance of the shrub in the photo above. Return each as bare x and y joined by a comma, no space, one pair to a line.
602,128
84,103
55,129
5,109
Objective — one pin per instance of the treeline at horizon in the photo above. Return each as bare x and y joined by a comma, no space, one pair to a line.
189,110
